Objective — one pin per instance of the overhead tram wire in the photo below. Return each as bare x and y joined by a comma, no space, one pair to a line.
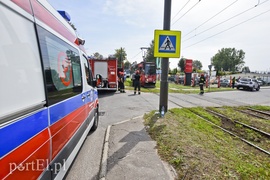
228,28
211,18
186,12
136,55
258,3
180,9
225,21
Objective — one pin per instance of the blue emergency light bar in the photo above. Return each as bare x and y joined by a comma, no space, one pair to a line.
65,15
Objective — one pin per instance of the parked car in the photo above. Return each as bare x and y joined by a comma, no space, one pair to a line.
127,73
225,83
249,84
180,80
197,80
171,78
261,83
236,83
213,81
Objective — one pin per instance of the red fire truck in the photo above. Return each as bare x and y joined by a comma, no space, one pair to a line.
148,73
107,68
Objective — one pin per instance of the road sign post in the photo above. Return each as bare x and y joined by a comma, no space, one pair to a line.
210,68
166,45
163,100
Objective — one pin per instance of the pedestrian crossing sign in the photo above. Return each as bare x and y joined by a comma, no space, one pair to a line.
167,43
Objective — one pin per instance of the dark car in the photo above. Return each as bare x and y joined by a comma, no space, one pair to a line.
171,78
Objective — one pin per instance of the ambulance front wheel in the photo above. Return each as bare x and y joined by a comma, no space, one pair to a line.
96,119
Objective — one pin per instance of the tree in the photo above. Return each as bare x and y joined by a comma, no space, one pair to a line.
246,69
228,59
121,55
97,55
181,64
173,71
127,65
150,53
197,65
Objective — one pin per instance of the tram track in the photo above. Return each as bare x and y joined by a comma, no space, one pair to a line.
218,101
181,99
252,114
233,134
229,129
184,100
263,115
238,122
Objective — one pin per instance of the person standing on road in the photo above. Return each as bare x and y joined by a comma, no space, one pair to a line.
137,82
201,83
121,82
233,82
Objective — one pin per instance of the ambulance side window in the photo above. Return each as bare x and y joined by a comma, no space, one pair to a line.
88,72
62,68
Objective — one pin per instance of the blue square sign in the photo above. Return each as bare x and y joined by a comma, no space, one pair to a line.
167,43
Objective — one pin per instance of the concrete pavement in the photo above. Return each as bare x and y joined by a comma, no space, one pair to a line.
130,153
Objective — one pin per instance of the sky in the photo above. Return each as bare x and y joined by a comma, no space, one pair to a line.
206,27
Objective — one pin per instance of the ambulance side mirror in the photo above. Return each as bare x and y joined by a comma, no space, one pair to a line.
94,83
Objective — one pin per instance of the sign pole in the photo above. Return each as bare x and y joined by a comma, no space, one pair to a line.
163,100
210,68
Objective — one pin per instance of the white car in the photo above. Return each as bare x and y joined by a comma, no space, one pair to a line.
248,83
127,73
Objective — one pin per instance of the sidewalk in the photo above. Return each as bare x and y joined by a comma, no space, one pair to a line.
130,153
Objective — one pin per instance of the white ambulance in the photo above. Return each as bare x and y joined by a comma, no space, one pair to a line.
48,98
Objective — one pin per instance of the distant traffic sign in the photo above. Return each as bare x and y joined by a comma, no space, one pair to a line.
167,43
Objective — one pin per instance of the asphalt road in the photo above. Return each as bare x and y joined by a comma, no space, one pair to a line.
118,107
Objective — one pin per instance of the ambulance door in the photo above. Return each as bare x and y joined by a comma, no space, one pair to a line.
65,98
88,89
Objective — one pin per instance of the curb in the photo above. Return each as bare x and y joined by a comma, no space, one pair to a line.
105,150
103,168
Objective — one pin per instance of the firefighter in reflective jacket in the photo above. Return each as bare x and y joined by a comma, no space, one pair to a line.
201,83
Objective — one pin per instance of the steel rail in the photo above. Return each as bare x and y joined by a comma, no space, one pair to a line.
243,124
225,130
258,111
255,115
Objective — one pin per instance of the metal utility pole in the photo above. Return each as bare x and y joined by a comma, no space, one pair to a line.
121,58
210,68
143,52
163,100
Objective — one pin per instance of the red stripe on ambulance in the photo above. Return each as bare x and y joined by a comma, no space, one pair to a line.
23,162
45,16
24,4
